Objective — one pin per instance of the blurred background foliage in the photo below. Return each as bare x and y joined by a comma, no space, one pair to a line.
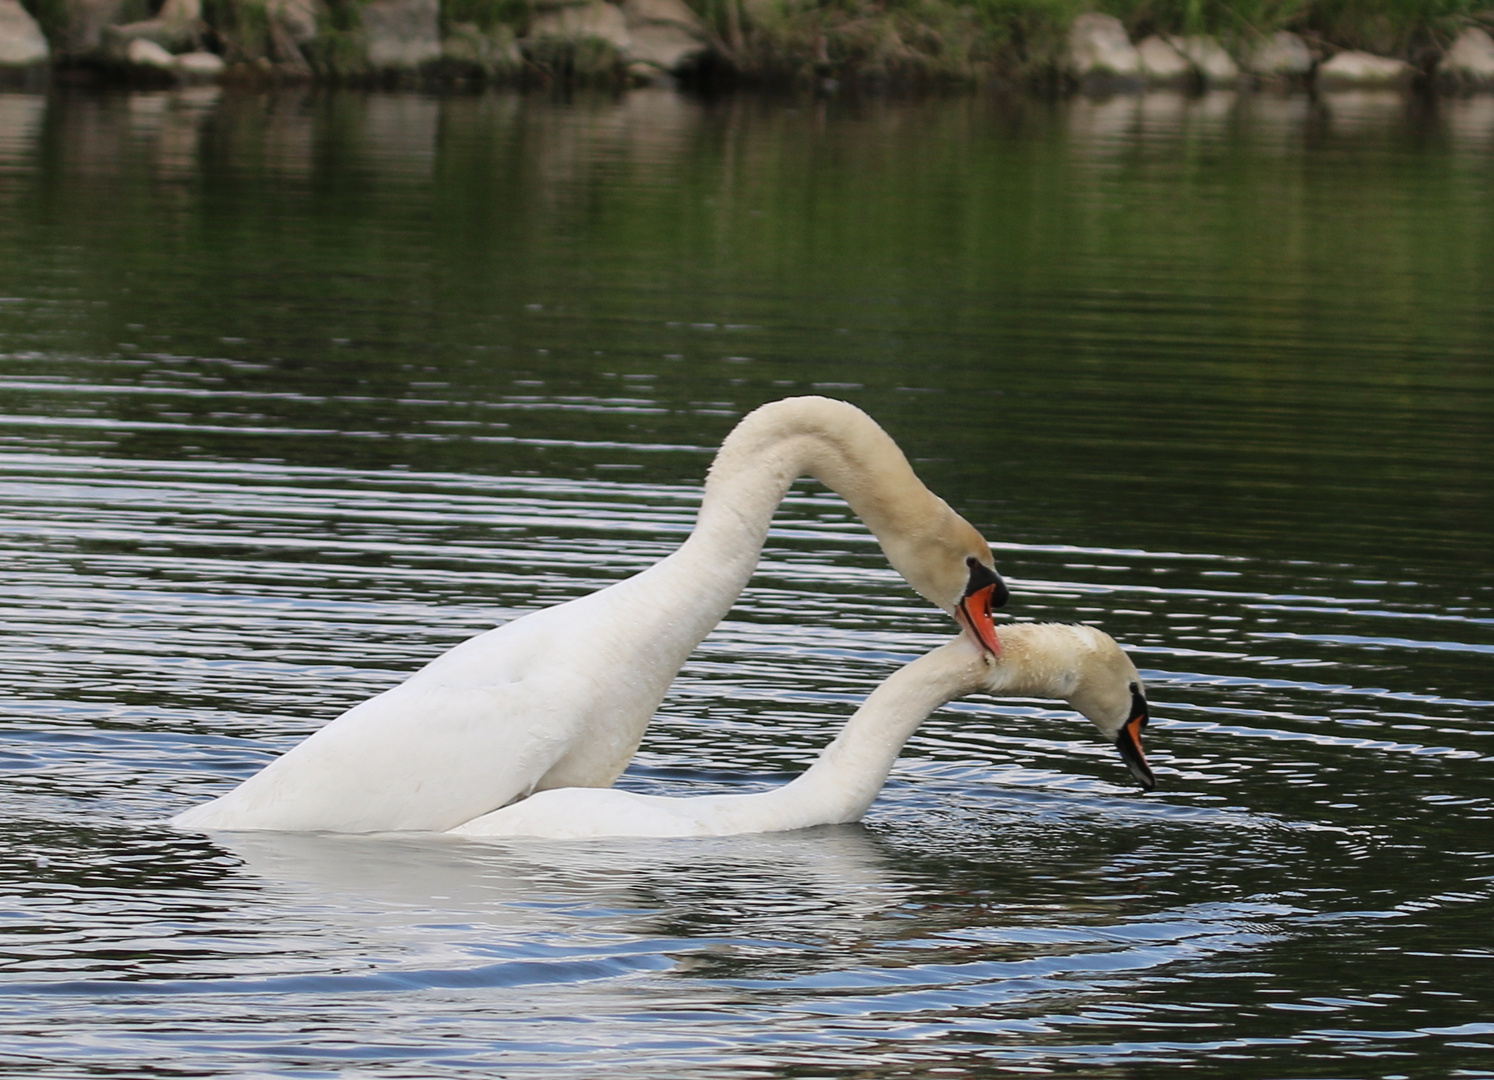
969,39
903,42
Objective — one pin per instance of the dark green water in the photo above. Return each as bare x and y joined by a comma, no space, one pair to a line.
297,390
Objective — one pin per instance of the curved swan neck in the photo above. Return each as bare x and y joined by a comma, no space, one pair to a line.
1049,661
1039,660
845,779
843,448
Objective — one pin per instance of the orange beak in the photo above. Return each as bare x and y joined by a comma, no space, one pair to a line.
973,612
1128,742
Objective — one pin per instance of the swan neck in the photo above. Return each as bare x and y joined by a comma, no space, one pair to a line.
845,779
1039,660
1043,660
835,443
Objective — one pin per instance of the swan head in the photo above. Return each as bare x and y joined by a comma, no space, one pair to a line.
1088,669
949,563
1110,694
985,591
936,550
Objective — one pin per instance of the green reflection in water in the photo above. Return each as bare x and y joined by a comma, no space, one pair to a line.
1154,322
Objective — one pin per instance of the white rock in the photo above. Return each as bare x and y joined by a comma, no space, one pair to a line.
1160,62
145,53
1208,58
1363,69
1470,60
1098,46
200,66
22,43
599,20
401,34
666,34
177,26
641,73
665,46
664,12
1282,55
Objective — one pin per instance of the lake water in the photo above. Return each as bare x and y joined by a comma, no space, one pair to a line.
298,390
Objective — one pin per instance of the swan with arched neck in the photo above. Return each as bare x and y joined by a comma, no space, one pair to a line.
1078,664
561,697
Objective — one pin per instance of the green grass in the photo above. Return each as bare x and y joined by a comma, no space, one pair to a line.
486,14
243,27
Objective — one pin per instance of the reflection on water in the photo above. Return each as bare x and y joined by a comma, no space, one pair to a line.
20,119
1470,122
297,390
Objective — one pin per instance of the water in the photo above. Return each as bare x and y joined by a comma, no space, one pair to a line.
297,390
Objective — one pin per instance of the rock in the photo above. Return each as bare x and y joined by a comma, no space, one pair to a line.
1283,55
666,34
401,35
641,73
1213,64
1172,60
1100,54
178,26
22,44
200,66
142,52
1470,60
665,13
667,48
597,20
1363,69
1162,64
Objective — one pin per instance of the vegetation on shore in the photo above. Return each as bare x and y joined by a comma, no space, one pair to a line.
799,42
965,40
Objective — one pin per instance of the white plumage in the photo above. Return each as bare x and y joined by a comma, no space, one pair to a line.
561,697
1079,664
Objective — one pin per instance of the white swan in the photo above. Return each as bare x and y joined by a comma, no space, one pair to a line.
1080,664
561,697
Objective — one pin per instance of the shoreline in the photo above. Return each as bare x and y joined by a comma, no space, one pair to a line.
773,45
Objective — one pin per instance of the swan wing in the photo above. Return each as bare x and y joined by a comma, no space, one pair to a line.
425,755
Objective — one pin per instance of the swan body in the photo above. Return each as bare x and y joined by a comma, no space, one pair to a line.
1079,664
561,697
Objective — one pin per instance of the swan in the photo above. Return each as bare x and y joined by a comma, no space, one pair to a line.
560,697
1079,664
